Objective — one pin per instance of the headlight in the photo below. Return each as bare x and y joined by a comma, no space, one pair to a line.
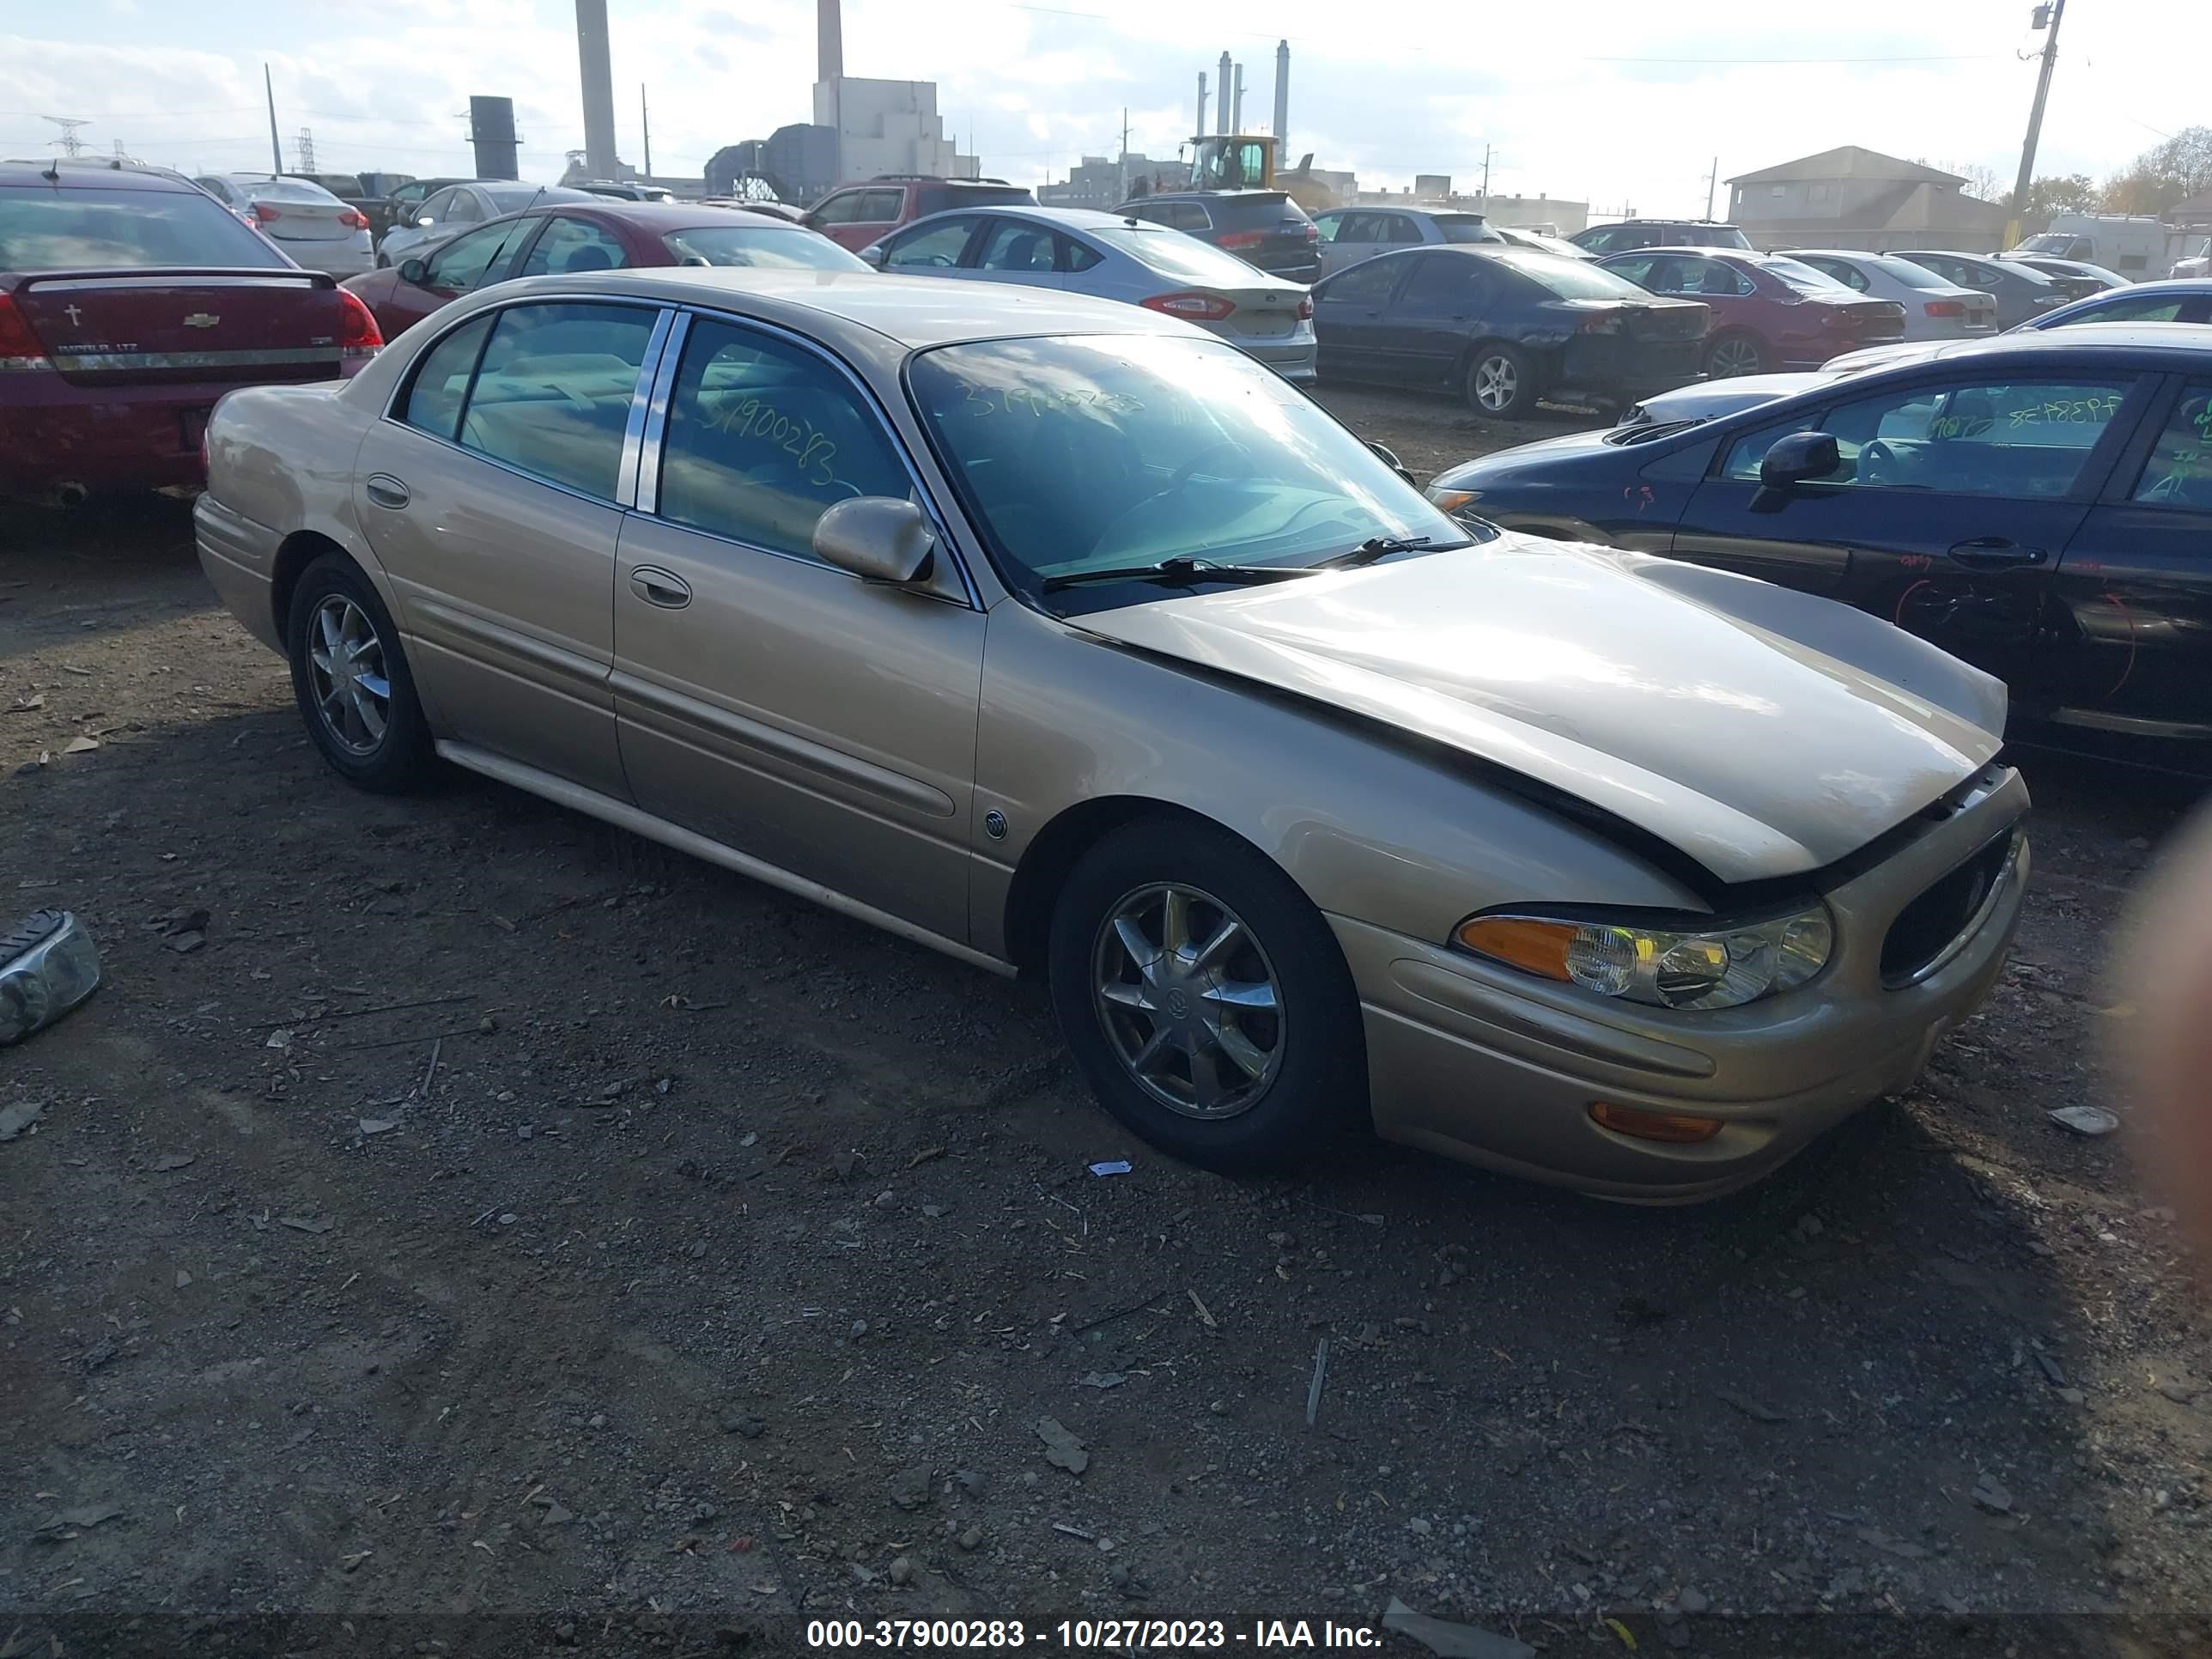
1715,966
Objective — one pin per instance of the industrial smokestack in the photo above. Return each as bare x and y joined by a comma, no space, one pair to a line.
830,41
1282,98
598,88
491,130
1221,97
1237,111
1201,127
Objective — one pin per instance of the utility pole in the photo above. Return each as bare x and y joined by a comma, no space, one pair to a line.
645,120
70,143
276,150
1124,196
1486,180
2047,18
1712,184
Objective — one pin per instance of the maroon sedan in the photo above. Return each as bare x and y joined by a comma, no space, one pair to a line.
1769,312
129,301
572,236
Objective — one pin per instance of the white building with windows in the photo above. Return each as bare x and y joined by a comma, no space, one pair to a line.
888,126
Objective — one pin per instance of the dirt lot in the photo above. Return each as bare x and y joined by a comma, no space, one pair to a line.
498,1232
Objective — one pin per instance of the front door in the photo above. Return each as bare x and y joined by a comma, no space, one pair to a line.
1951,501
490,502
1348,319
1435,315
2136,584
450,270
771,702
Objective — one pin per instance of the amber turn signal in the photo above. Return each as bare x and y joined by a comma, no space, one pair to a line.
1536,947
1676,1127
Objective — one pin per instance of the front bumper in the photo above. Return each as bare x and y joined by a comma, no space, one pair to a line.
1499,1068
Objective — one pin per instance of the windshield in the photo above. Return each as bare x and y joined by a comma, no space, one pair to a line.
507,197
1093,452
1185,258
794,249
1465,228
1803,278
2048,242
64,230
1906,271
1570,279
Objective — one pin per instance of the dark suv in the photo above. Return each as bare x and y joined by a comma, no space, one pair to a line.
857,215
1633,233
1263,227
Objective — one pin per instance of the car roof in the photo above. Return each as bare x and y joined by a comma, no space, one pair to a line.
2183,345
1068,218
864,311
94,175
1696,250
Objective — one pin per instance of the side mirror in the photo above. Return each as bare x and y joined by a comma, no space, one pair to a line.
424,221
879,538
1797,459
874,253
412,272
1389,458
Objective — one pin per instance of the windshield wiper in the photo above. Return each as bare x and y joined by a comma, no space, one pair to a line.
1376,547
1178,569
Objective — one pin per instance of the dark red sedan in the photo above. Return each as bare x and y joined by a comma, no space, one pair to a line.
1770,312
572,236
131,299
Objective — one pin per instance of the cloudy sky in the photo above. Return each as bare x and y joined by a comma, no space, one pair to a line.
1613,101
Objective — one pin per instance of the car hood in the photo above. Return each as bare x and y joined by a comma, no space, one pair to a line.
1762,732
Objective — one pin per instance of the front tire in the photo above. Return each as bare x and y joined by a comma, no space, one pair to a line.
351,679
1500,382
1205,999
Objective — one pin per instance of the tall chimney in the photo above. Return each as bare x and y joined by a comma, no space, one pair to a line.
598,88
1221,97
1282,101
1237,113
1201,127
830,41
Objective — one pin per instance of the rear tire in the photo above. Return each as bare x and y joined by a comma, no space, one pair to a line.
1205,999
1500,382
351,679
1734,354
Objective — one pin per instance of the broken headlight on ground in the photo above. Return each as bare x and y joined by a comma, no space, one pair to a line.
47,966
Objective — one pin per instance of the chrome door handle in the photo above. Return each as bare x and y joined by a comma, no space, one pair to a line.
662,587
385,491
1995,551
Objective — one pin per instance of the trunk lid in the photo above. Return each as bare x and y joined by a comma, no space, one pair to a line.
1763,732
122,328
288,210
1669,320
1263,314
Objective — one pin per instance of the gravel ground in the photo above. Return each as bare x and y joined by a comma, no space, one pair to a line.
458,1222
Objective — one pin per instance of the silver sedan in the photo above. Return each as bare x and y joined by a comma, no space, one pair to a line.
1111,256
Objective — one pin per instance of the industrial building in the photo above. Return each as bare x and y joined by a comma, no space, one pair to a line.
1852,196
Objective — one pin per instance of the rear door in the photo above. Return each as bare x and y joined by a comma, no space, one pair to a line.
1953,499
1018,250
1349,319
2136,584
492,492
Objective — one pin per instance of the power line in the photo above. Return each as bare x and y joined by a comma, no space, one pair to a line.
1949,57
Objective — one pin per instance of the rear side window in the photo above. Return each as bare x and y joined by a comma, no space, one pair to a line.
2141,308
764,438
570,246
1442,280
842,209
878,207
1016,245
552,395
442,380
1076,256
68,229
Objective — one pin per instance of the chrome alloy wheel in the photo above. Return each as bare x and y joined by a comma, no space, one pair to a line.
1497,383
1189,1001
345,658
1732,357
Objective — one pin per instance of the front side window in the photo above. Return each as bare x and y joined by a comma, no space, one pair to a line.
878,207
441,386
462,263
1597,241
932,247
553,393
1326,224
63,229
1018,246
842,209
763,438
1078,453
2179,470
433,210
573,245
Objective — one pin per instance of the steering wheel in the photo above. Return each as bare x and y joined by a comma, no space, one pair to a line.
1876,461
1182,474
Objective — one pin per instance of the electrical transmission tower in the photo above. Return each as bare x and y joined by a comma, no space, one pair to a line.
306,147
70,143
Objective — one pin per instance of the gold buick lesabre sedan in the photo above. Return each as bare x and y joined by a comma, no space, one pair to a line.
1064,638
